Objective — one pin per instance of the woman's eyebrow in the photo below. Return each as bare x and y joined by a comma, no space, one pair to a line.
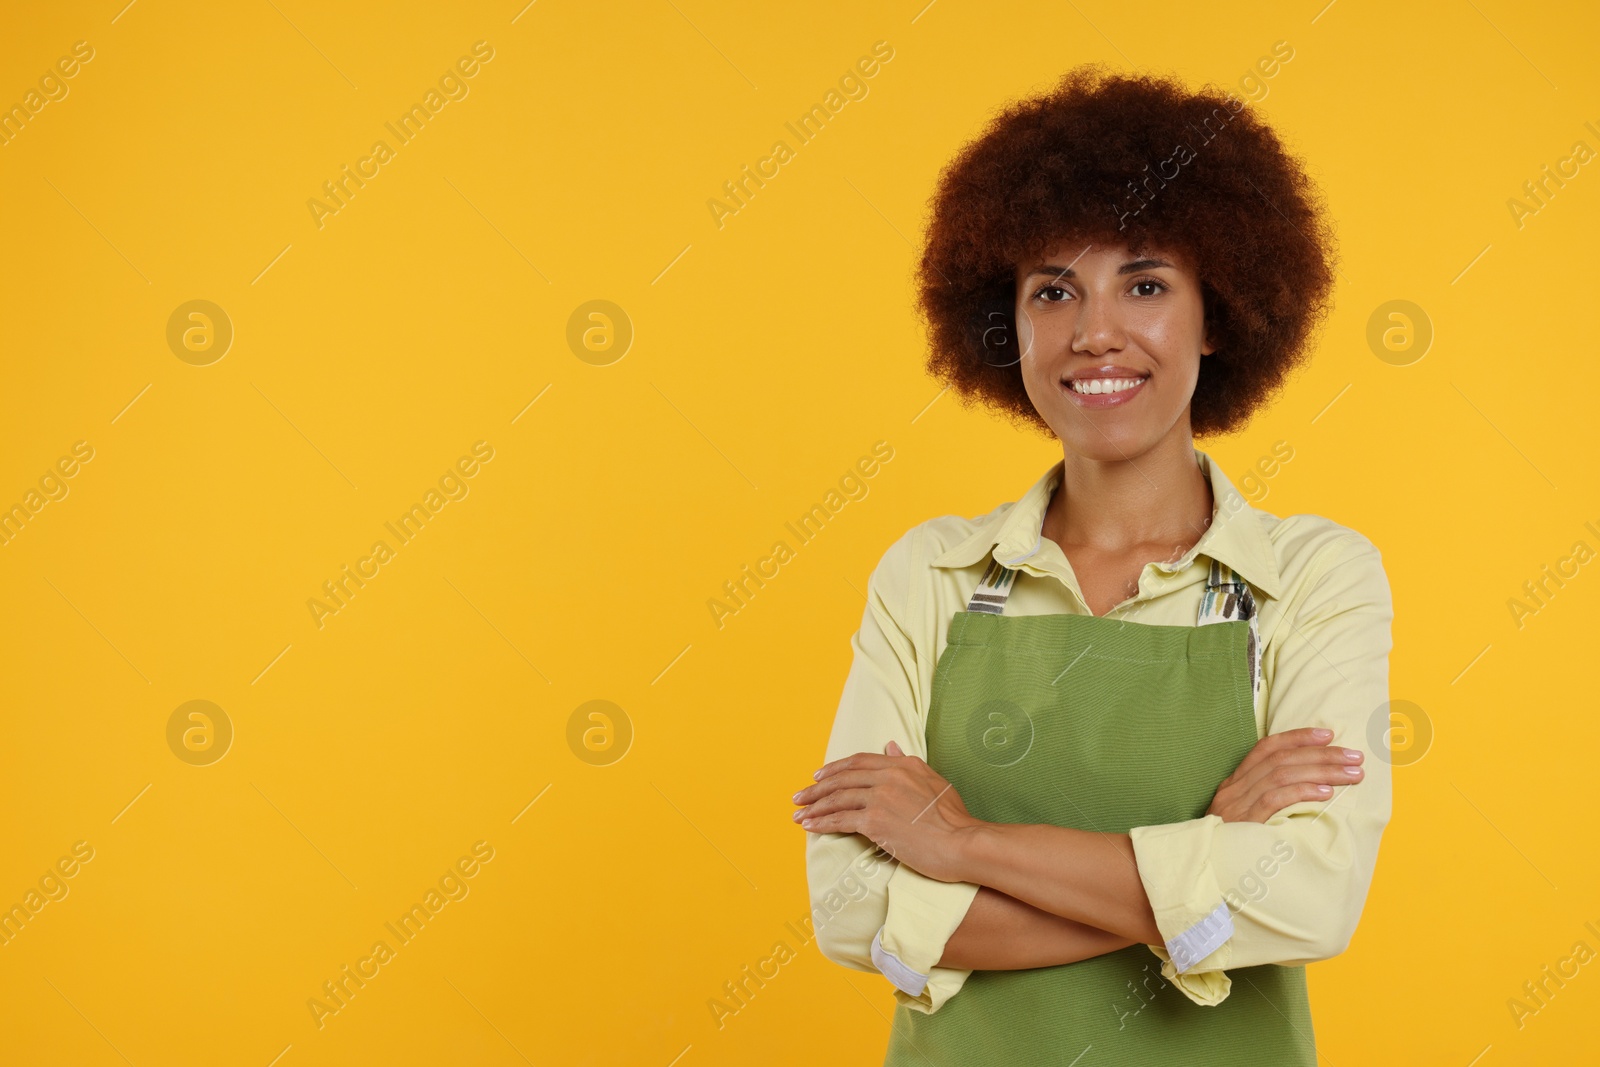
1132,267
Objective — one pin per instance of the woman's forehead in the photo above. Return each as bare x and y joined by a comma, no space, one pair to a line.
1068,258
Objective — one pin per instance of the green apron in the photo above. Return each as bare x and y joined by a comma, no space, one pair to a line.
1099,724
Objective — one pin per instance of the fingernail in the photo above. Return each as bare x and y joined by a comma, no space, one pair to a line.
1352,754
1324,789
797,796
1353,771
799,813
817,774
1322,734
807,823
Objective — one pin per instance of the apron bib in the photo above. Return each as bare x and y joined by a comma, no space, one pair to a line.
1099,724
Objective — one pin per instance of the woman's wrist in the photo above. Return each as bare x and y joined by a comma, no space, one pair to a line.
972,847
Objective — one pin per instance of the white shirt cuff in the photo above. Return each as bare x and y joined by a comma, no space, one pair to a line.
905,979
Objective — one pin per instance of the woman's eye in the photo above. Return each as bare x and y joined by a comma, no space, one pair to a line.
1148,281
1041,294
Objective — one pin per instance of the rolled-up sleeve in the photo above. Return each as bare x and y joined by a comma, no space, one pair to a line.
1291,890
870,912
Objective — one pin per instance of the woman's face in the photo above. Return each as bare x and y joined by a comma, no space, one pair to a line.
1102,317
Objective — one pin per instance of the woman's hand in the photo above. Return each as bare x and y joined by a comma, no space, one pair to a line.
897,801
1284,769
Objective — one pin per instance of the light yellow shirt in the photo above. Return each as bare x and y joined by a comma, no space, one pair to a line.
1293,887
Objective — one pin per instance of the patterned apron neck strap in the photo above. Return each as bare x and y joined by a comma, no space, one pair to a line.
1228,598
990,596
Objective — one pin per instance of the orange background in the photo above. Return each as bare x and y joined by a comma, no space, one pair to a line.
374,346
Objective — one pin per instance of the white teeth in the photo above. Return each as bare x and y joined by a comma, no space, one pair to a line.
1092,386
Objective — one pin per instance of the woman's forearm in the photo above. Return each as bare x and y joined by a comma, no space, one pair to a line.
1089,877
1002,933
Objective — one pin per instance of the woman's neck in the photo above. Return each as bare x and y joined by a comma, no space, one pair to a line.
1162,497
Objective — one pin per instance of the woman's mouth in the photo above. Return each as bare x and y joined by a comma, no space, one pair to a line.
1103,392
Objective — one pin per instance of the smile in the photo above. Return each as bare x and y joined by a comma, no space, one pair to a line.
1103,392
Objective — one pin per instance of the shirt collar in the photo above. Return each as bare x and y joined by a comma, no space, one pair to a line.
1236,536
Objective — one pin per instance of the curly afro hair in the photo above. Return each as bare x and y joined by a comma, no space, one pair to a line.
1105,158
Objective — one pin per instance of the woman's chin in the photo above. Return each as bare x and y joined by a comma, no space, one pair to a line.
1107,443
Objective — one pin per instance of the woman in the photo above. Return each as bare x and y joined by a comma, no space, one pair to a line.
1112,738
